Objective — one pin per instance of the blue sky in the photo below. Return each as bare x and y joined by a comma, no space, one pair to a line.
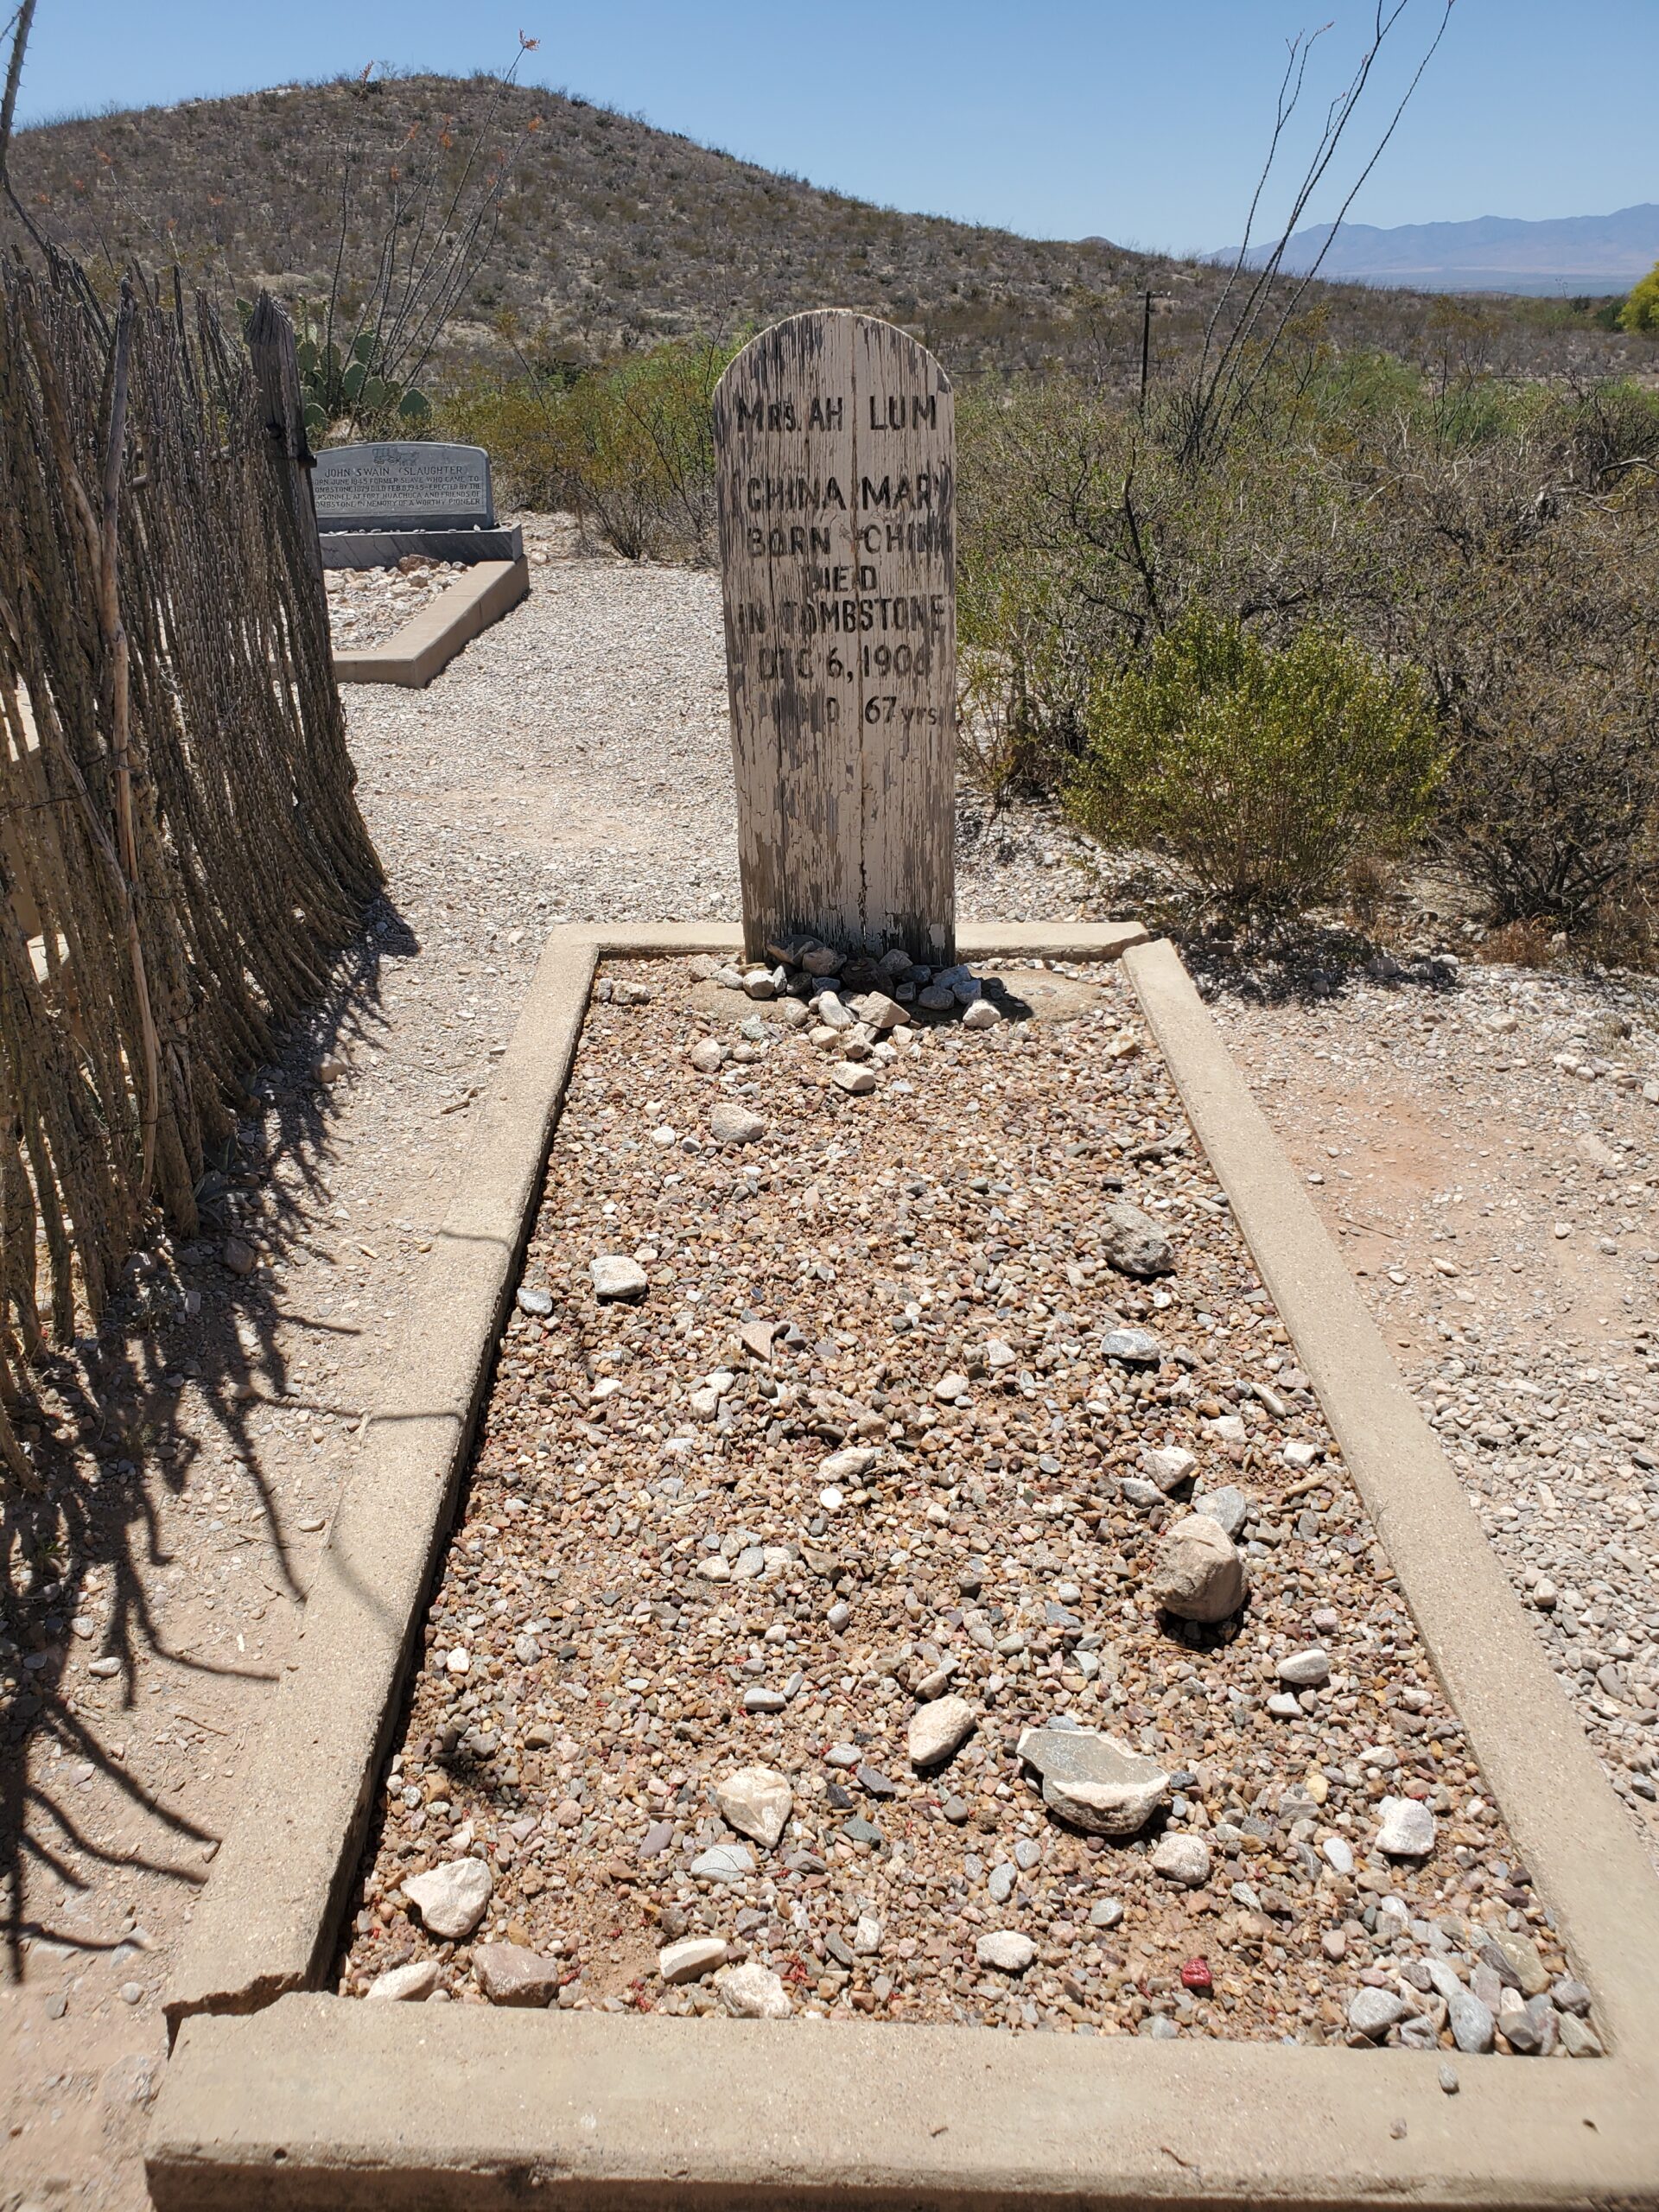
1143,120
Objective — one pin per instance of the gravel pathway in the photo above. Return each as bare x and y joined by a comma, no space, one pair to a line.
1483,1144
782,1587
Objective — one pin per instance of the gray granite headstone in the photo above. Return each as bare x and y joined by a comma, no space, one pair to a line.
404,484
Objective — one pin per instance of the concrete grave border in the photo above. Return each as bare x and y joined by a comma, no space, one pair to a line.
428,641
278,2095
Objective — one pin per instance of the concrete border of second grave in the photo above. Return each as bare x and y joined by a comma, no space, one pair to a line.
316,2099
428,641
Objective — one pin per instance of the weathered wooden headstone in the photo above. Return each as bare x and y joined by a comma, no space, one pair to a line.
835,437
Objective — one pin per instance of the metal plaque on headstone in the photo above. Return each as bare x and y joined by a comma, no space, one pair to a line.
404,484
835,439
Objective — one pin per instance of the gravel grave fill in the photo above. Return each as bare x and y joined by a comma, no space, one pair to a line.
806,1641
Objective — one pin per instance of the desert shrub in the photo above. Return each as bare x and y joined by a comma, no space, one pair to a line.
1049,586
638,440
1264,770
1085,535
1516,945
515,418
1531,599
628,448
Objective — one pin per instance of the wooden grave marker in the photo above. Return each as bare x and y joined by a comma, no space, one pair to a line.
835,438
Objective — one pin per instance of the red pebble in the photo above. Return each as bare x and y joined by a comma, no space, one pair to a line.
1195,1974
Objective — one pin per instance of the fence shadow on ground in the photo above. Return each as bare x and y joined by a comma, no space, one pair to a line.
112,1452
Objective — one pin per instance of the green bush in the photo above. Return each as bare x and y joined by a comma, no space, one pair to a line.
1265,771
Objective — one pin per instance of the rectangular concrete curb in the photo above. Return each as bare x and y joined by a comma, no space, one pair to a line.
428,641
1579,1842
329,2102
309,2101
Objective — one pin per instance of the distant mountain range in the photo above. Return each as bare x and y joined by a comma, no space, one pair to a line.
1494,253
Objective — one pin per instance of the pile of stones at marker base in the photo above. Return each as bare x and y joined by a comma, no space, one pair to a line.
366,607
904,1574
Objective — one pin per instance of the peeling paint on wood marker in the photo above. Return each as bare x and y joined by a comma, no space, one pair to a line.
835,443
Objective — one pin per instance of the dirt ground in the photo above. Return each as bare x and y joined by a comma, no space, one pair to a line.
573,762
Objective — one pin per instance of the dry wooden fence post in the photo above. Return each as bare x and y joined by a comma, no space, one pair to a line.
276,364
836,452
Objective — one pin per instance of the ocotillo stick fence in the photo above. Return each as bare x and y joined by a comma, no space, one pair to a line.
181,852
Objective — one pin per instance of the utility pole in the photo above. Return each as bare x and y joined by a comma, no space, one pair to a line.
1146,344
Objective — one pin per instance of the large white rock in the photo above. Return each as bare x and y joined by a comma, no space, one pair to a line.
1168,1465
691,1959
1408,1828
857,1082
847,1465
1183,1858
756,1802
940,1728
616,1276
1006,1949
1200,1575
754,1992
451,1898
731,1123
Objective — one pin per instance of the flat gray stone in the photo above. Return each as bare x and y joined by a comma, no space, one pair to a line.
723,1862
1093,1780
402,484
1305,1669
1227,1508
1471,2023
1372,2012
1133,1347
1133,1242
